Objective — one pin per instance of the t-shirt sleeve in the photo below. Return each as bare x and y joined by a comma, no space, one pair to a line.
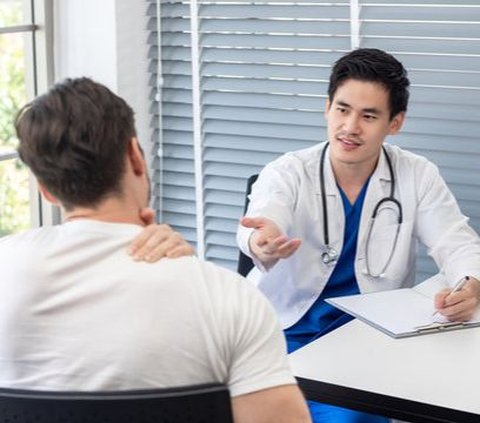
258,349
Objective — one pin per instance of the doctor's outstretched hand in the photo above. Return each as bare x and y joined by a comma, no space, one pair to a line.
459,306
267,241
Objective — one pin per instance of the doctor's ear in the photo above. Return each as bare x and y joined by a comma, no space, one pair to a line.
396,123
327,107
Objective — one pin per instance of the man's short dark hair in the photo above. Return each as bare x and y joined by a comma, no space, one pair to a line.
373,65
75,138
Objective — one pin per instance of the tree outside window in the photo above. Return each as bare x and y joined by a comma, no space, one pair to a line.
14,177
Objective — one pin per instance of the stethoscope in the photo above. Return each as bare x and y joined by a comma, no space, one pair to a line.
330,255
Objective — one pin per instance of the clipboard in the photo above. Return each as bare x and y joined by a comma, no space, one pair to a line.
401,313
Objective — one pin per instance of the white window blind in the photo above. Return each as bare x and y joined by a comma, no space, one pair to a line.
261,85
439,44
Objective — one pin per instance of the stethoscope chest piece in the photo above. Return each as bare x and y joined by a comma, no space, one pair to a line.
330,255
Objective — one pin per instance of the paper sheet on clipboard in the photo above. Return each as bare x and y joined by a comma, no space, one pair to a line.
402,312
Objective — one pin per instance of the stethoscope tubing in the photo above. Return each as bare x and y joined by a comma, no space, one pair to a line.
330,255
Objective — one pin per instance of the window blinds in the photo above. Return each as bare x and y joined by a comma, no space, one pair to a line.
439,44
261,79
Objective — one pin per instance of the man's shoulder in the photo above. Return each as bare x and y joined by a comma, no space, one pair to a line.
413,169
402,157
223,290
22,255
297,163
304,155
27,240
214,278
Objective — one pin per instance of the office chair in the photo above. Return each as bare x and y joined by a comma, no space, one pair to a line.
207,403
245,263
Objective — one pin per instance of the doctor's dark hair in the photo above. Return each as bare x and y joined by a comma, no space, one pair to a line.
75,138
373,65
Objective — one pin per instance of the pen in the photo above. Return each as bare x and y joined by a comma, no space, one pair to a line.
458,286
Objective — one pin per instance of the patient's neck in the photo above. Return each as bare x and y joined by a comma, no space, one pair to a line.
114,210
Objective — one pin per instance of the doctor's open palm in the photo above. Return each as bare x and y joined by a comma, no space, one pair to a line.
267,242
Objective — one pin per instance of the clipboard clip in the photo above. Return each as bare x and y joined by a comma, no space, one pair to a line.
439,327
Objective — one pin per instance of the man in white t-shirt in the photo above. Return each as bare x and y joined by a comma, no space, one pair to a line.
78,313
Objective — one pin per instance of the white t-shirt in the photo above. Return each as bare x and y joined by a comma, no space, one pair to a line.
77,313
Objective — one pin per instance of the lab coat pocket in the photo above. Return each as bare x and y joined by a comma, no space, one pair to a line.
388,251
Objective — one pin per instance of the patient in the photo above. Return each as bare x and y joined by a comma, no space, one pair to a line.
79,314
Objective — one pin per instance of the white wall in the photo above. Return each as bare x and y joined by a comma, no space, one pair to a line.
106,41
132,63
85,40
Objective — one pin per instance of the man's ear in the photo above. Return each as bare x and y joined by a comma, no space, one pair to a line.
327,108
396,123
47,195
136,158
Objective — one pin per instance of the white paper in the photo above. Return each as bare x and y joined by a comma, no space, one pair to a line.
398,312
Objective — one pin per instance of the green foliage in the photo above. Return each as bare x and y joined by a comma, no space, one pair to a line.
14,198
14,186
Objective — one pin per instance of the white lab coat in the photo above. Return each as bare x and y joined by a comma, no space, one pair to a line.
288,192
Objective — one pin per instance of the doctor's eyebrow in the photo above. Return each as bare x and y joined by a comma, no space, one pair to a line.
343,104
372,111
369,110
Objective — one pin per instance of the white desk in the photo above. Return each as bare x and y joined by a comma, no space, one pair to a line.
428,378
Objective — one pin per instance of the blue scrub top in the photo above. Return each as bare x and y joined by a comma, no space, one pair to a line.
322,318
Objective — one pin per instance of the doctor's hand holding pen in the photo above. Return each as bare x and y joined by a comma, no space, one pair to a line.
267,241
459,303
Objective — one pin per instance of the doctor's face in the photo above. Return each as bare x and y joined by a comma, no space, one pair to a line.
358,120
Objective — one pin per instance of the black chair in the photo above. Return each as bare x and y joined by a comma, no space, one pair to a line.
193,404
245,263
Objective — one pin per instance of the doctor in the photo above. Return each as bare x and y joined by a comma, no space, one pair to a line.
344,216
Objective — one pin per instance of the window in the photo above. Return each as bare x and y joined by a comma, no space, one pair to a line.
236,84
23,72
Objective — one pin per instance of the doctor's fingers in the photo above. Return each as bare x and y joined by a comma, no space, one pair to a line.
289,247
472,288
284,249
270,247
456,297
460,311
259,224
440,297
271,241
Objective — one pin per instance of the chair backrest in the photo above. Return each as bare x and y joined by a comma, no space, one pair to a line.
194,404
245,263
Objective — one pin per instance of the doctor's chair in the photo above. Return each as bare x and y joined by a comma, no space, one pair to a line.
209,403
245,263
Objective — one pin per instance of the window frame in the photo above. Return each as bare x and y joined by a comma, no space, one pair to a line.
38,77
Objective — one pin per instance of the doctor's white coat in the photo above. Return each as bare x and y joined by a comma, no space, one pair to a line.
288,192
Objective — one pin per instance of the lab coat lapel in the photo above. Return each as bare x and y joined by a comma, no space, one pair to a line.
336,214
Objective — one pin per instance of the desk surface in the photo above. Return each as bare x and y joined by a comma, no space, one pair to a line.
428,371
